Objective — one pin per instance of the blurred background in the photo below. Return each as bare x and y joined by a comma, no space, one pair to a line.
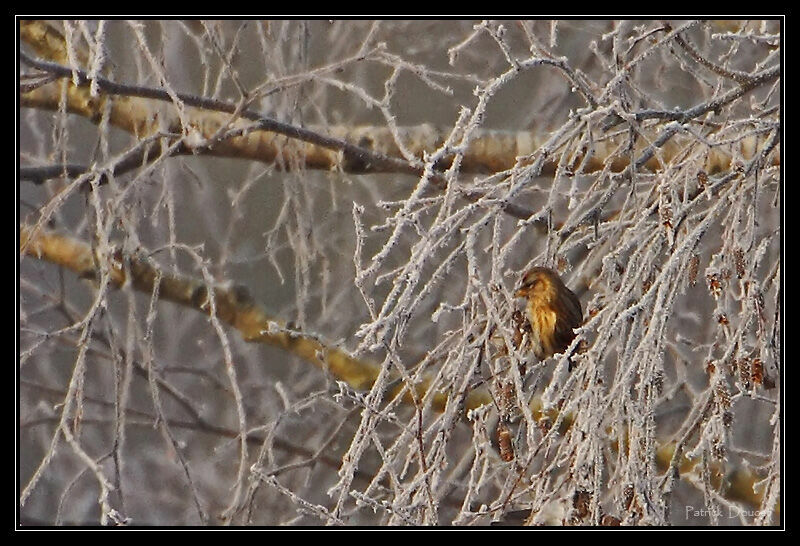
155,394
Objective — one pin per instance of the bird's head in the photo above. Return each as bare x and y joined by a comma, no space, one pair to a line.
538,282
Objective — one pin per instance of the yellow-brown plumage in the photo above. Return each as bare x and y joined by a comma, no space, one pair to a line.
553,311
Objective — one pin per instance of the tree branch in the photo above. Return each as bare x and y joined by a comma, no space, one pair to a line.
234,306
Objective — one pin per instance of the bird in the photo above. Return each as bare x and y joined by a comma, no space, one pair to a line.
552,310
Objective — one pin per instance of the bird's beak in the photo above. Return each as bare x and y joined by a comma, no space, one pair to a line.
520,293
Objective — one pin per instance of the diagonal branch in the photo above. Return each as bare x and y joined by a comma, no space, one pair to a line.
234,306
